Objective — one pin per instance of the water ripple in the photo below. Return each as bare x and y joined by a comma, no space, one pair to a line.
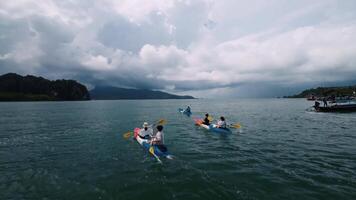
75,150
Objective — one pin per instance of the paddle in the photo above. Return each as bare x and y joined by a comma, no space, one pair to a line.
210,118
129,133
160,122
237,125
152,151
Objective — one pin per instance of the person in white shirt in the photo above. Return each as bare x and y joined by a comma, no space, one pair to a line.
146,131
158,138
221,123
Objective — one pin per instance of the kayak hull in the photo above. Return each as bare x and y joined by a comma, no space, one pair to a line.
212,127
146,145
336,108
219,130
181,110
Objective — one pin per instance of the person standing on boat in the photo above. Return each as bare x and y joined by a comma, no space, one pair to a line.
325,102
221,123
206,120
145,132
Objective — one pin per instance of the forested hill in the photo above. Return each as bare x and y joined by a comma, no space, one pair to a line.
14,87
112,93
327,91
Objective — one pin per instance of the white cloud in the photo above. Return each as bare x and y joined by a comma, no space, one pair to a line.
162,56
137,11
98,63
181,45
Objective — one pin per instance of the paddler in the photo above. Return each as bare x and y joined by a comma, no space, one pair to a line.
146,132
325,102
221,123
158,139
187,110
206,120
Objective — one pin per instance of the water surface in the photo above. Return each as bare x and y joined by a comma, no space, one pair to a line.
75,150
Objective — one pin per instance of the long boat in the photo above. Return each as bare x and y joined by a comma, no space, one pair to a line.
341,107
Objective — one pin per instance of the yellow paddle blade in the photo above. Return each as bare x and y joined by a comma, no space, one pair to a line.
127,135
151,150
162,122
210,118
238,125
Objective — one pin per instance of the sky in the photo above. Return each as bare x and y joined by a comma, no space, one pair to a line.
206,48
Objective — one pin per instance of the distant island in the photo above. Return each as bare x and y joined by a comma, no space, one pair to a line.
344,91
115,93
14,87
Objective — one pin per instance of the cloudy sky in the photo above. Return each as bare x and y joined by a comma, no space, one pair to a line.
222,48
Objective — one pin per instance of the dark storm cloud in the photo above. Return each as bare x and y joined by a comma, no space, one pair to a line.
203,45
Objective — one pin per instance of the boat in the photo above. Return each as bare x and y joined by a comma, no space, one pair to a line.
157,152
311,98
183,111
212,127
336,107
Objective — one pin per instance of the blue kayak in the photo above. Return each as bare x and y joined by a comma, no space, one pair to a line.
158,151
181,110
212,127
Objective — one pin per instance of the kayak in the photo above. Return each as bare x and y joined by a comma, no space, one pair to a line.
212,127
158,151
181,110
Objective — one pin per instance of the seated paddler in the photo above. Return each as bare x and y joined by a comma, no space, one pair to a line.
146,132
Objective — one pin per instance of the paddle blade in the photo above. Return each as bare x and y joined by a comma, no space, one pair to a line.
238,125
162,122
151,150
210,118
127,135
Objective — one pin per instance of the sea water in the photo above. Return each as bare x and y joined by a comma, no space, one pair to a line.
75,150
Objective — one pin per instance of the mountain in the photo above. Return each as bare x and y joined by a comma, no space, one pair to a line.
326,92
14,87
112,93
